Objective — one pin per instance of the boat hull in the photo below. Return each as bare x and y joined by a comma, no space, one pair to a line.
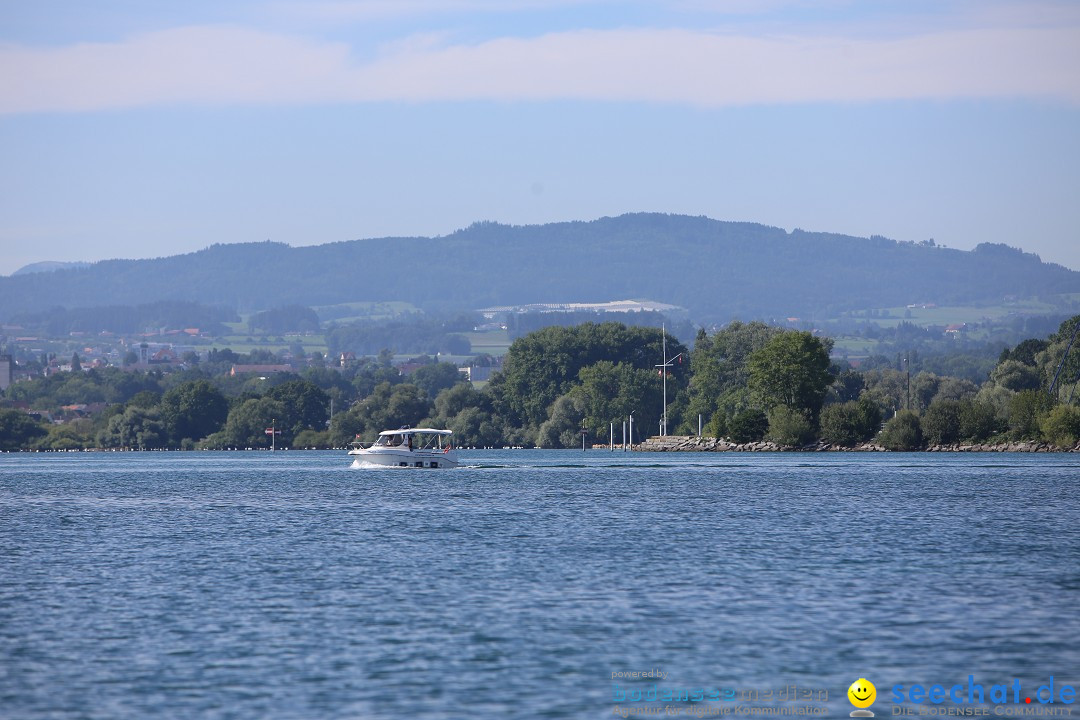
405,458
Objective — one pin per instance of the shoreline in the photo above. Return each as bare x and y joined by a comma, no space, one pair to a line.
669,443
691,443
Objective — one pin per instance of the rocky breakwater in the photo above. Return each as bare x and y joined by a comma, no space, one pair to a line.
690,443
1028,446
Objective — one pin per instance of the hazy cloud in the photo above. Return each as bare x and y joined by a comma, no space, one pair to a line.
368,10
231,65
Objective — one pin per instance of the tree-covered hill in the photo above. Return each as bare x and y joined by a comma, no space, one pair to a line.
718,270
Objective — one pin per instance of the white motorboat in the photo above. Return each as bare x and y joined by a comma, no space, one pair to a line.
409,447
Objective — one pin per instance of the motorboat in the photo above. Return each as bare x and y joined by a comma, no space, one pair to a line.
409,447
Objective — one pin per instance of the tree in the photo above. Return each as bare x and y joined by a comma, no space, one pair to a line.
18,431
288,319
717,426
941,423
1016,376
1062,426
76,364
75,435
145,399
903,432
610,392
789,427
137,428
545,364
193,410
792,370
887,388
850,423
951,388
408,406
346,427
332,381
720,376
306,406
387,408
847,386
1027,409
1054,362
474,427
748,426
924,386
563,428
978,420
1025,352
454,400
436,377
467,412
247,423
311,440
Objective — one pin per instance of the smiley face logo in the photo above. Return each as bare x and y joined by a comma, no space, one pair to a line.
862,694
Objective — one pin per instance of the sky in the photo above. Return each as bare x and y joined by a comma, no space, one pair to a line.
131,129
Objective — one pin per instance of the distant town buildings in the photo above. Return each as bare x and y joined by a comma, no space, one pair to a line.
475,373
613,306
260,369
7,371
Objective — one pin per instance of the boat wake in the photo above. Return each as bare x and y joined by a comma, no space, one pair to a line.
363,465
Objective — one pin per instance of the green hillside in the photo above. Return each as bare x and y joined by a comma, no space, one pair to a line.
717,270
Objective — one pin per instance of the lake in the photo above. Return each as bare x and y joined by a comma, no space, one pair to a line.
530,584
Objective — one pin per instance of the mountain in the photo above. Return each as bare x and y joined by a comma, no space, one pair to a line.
718,270
48,266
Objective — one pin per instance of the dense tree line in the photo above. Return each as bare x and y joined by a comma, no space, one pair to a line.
287,319
521,324
126,319
430,334
746,381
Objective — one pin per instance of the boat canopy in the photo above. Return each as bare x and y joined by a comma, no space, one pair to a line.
415,431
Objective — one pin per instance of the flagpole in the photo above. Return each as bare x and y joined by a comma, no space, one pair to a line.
272,431
663,372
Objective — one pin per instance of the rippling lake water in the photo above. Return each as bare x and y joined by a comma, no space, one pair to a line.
289,585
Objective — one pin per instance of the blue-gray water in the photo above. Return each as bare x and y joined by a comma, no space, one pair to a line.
287,585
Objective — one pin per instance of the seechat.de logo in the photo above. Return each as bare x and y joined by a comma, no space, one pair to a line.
862,694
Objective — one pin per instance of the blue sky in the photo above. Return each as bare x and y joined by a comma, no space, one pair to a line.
134,129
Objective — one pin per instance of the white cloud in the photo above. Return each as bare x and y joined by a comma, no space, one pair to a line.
228,65
373,10
194,65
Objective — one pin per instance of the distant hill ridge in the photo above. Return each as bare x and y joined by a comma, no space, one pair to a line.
718,270
49,266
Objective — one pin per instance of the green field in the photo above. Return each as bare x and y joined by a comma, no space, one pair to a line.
957,314
855,346
364,310
492,342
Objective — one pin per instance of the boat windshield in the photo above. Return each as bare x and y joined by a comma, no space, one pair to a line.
413,441
430,442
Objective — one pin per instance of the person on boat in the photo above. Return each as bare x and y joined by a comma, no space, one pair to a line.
410,442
